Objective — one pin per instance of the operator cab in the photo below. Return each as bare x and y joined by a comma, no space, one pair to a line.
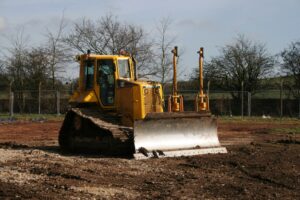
100,74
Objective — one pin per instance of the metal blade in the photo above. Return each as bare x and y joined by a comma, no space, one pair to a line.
175,132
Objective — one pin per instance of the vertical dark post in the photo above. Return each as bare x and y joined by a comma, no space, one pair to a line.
23,101
58,102
281,100
10,97
11,100
299,105
208,88
242,100
39,98
249,104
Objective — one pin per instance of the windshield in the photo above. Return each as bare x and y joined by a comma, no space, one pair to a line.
124,70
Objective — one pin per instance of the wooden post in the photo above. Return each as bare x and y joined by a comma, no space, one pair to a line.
58,102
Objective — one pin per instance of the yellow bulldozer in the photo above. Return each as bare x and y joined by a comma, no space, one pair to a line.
115,113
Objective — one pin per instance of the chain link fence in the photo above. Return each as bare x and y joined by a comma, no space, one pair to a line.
275,103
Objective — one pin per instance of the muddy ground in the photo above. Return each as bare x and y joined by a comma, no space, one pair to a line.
261,164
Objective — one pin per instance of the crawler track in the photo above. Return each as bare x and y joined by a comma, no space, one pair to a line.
86,129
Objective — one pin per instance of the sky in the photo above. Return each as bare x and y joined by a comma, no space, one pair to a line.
195,23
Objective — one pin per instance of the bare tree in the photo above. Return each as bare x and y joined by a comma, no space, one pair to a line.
1,67
15,62
3,76
162,52
244,62
291,62
56,51
108,36
291,66
141,49
36,67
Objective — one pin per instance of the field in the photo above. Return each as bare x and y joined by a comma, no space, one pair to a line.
263,163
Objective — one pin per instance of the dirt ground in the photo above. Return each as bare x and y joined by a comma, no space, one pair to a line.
261,164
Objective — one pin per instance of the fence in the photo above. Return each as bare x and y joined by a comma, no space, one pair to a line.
274,103
34,102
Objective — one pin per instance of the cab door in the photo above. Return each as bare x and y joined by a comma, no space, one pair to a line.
88,72
106,80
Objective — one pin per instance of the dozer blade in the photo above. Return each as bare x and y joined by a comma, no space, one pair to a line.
176,134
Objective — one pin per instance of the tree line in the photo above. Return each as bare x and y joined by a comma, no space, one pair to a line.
247,65
25,66
242,63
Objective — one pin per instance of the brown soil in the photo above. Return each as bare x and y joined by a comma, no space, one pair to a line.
259,165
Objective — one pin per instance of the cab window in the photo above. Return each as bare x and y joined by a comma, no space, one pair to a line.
106,81
124,70
89,74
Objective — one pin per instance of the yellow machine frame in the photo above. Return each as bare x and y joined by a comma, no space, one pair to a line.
133,98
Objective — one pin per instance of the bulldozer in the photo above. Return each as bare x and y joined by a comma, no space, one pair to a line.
116,113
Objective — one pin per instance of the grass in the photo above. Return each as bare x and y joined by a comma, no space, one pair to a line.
29,117
293,123
239,119
225,119
276,125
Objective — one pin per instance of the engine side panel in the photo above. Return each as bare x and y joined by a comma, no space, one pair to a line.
136,99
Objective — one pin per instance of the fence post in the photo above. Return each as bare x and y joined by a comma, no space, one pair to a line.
242,100
208,88
23,101
10,86
40,86
281,100
11,106
58,102
249,104
299,107
9,96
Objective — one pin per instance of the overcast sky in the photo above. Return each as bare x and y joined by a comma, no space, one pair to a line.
209,23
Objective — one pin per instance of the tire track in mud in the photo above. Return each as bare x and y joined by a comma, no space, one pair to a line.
258,176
